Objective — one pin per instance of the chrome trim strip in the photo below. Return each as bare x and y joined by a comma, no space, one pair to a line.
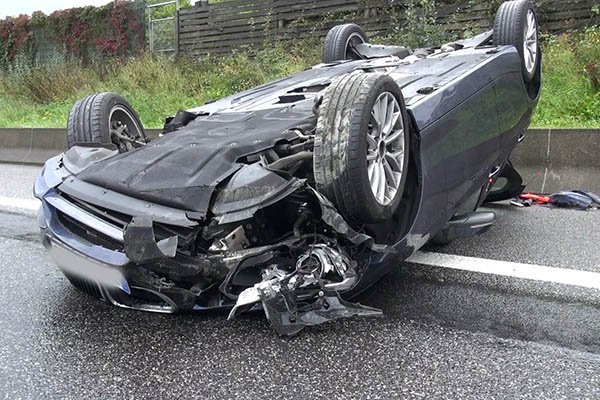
141,306
495,170
85,218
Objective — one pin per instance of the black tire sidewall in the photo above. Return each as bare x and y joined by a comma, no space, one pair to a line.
334,48
528,76
109,104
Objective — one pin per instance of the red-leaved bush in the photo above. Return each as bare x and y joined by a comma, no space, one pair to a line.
115,29
14,34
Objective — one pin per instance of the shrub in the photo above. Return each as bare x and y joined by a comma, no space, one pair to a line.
587,52
35,95
421,29
14,39
569,98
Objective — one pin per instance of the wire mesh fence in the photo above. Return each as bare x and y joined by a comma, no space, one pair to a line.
163,31
162,35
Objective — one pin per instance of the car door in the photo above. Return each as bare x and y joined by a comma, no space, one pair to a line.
471,144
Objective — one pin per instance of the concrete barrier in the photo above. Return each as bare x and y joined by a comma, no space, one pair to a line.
30,146
34,146
549,160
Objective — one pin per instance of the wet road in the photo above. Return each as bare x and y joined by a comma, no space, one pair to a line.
445,334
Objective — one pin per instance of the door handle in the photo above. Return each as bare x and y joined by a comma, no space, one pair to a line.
495,170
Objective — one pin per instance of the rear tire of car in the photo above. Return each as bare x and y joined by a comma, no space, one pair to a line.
340,41
361,168
96,118
516,24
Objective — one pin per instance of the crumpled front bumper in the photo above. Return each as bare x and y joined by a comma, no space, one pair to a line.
111,273
103,273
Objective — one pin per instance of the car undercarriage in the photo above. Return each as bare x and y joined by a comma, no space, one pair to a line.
294,196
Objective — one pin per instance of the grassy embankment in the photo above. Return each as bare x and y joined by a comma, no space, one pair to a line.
158,87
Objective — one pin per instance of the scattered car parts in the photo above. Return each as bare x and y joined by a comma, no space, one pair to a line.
579,199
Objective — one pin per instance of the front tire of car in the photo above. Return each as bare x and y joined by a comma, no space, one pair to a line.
362,146
105,118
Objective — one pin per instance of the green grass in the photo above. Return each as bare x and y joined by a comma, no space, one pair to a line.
569,99
158,87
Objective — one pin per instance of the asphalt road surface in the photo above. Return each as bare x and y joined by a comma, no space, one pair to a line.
446,334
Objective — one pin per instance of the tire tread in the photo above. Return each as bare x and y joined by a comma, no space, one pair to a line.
85,123
508,27
339,159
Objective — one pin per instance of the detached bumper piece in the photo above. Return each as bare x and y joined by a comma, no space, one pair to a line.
141,245
307,296
288,318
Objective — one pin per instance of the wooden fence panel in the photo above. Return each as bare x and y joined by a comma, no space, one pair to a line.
222,27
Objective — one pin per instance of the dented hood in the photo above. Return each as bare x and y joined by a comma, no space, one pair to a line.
182,168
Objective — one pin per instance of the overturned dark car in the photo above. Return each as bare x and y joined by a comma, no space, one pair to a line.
296,195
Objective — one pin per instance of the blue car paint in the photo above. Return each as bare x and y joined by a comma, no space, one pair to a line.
463,129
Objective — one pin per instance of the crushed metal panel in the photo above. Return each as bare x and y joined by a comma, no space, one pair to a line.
141,245
250,188
332,218
306,296
326,308
109,199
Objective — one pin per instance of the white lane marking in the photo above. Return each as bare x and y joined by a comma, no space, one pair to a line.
505,268
474,264
14,204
